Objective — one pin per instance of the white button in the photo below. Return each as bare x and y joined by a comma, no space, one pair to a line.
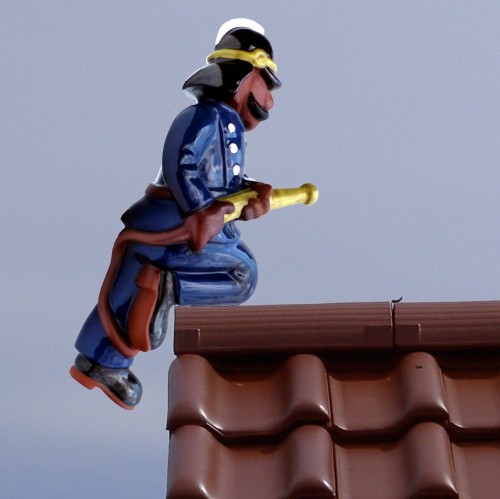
231,128
233,148
236,169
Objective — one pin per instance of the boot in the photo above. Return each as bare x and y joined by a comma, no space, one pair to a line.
119,384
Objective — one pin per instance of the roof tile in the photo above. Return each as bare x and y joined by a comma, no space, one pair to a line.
301,466
245,404
328,327
378,404
359,400
452,325
477,465
418,465
474,402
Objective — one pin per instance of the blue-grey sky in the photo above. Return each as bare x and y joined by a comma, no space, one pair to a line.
391,108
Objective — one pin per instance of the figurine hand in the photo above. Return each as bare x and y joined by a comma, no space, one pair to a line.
205,224
256,207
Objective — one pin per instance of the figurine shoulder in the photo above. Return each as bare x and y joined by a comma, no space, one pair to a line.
197,116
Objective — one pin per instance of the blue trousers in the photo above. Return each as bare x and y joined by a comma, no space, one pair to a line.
223,273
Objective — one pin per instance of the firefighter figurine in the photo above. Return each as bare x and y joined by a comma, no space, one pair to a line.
177,247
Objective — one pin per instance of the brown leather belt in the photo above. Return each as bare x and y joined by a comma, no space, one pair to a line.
158,191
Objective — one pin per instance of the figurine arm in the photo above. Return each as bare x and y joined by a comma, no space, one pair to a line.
191,134
192,137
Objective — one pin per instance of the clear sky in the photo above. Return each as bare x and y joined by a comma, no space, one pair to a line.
391,108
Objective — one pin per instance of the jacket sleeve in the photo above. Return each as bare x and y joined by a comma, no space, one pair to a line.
192,134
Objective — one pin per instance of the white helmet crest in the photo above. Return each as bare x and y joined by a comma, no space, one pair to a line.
239,22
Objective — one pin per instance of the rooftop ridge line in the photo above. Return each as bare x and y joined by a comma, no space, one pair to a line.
382,326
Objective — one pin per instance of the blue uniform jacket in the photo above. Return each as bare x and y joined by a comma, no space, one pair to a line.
203,158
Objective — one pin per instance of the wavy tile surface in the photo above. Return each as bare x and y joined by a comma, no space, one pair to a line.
375,404
355,401
478,469
245,405
418,465
300,466
474,402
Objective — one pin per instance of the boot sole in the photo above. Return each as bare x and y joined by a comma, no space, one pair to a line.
90,384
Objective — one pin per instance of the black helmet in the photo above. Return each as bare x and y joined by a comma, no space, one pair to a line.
237,52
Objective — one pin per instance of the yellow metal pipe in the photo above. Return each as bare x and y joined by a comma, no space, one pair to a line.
306,194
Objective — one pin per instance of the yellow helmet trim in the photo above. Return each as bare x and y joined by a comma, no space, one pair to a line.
257,58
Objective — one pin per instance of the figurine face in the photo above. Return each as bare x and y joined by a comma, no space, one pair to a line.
253,100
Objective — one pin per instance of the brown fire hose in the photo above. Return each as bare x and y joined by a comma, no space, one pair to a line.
306,194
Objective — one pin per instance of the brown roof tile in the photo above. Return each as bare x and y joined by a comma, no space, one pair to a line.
419,464
474,402
246,405
477,466
381,404
454,325
324,400
301,465
282,328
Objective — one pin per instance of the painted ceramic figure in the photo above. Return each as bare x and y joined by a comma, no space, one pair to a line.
176,248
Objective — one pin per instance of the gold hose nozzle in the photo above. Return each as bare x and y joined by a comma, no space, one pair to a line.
306,194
